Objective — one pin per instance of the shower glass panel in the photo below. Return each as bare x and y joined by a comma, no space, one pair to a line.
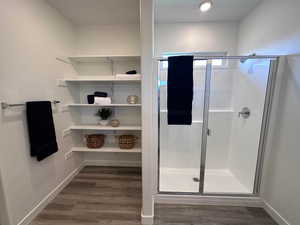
230,108
180,146
236,107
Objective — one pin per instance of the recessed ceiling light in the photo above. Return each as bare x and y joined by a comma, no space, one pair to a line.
205,6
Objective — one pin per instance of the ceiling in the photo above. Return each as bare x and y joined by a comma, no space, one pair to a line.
98,12
188,10
102,12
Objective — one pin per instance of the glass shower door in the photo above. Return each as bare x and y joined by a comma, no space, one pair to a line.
221,152
234,115
180,146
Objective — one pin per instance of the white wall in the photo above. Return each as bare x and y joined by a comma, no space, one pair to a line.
273,28
281,186
196,37
3,205
108,40
32,35
149,111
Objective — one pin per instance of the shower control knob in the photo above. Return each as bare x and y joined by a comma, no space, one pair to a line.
245,113
196,179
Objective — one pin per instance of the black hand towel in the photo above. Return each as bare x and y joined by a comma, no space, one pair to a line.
91,99
180,90
41,129
131,72
100,94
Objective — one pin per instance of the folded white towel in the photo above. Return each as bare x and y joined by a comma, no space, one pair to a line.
102,101
128,76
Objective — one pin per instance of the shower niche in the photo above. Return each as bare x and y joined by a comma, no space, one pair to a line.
221,152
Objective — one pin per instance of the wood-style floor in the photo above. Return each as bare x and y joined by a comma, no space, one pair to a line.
112,196
210,215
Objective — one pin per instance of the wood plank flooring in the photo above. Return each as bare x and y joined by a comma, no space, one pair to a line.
112,196
210,215
97,196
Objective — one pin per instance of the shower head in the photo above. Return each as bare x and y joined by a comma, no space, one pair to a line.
244,59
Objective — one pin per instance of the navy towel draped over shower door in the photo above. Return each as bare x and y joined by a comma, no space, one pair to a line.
180,90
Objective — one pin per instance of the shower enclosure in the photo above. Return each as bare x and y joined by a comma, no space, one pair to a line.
221,153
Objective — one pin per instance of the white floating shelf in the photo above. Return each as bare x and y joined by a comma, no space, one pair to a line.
99,127
95,79
100,79
106,149
110,105
103,58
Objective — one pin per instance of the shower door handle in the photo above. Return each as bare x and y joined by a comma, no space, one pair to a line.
208,132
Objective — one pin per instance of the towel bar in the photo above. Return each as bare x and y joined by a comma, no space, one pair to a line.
5,105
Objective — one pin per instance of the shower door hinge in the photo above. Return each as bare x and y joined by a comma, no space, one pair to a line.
196,179
208,132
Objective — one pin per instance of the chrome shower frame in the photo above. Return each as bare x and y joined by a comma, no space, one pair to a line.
274,62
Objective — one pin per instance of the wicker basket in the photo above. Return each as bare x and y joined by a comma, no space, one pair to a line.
127,141
95,140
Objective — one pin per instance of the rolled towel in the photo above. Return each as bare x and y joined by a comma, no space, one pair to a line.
102,100
131,72
100,94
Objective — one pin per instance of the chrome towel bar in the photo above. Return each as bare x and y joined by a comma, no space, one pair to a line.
5,105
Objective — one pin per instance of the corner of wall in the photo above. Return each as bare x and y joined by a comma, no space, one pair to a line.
49,197
4,217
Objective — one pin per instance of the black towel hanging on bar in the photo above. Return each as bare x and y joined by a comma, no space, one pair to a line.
41,129
180,90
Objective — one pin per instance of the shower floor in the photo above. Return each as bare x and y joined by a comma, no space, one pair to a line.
216,181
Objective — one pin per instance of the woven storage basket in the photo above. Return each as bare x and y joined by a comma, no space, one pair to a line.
127,141
95,140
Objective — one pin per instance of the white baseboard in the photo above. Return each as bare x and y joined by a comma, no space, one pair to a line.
45,201
147,220
116,163
209,200
275,215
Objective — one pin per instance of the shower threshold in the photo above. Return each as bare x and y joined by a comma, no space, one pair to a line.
216,181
